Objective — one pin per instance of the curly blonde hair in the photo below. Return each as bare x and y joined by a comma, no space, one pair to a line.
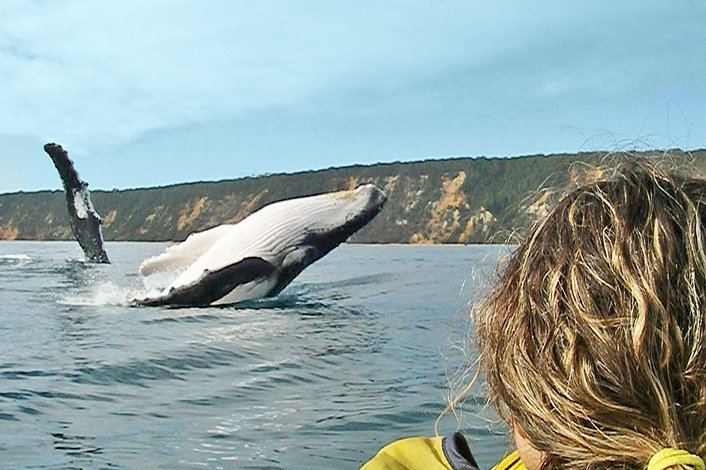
593,340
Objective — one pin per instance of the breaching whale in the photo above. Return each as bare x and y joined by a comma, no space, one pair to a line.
83,218
260,255
257,257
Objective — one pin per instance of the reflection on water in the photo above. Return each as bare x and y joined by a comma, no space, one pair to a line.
353,354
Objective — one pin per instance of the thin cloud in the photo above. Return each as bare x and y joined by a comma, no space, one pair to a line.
398,80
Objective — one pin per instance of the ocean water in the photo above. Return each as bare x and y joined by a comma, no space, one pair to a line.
361,349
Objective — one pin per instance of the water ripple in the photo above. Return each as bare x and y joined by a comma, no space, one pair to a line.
321,376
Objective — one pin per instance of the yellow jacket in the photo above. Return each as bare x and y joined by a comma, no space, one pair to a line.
433,453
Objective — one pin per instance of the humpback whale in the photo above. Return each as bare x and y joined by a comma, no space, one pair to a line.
260,255
83,218
257,257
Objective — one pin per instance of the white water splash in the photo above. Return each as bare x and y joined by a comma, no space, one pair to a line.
108,293
157,281
16,259
105,294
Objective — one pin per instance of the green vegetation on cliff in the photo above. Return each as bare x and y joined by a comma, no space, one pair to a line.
460,200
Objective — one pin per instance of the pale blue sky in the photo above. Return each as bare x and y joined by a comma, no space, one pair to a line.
146,93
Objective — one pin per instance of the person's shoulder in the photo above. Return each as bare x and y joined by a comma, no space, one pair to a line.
511,462
409,454
425,453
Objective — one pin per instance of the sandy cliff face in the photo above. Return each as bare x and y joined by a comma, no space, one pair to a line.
444,218
478,226
9,233
435,201
422,208
451,219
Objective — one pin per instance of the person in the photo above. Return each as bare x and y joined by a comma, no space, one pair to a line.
592,341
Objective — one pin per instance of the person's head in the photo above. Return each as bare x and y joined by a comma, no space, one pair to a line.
593,341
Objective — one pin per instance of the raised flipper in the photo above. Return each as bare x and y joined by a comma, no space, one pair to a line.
84,220
213,285
184,253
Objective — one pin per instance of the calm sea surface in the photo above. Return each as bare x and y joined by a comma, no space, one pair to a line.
358,351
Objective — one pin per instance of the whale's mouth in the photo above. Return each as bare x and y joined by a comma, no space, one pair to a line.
372,202
375,200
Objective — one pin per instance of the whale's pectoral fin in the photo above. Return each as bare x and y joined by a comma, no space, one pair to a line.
293,264
84,220
213,285
184,253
